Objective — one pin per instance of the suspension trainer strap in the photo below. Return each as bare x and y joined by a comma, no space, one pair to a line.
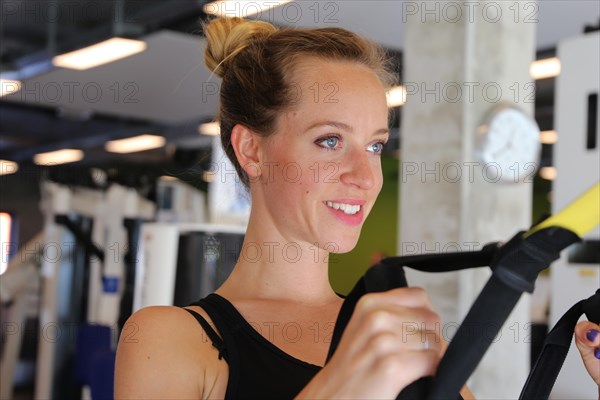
515,270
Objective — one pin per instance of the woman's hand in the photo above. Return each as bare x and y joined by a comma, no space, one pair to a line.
392,339
587,339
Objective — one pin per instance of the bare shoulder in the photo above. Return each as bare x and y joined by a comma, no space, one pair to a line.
163,353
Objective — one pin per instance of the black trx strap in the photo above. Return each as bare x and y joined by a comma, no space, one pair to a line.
515,267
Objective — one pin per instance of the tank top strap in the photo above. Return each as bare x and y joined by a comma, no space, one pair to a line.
219,312
225,326
217,342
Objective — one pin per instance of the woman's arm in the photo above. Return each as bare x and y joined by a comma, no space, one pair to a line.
159,356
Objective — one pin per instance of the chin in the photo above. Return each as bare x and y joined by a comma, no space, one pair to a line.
341,245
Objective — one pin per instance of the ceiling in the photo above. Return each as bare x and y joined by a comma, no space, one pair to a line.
166,89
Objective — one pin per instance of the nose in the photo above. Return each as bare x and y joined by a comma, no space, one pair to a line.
357,170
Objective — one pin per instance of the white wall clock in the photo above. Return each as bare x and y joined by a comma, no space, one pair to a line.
508,145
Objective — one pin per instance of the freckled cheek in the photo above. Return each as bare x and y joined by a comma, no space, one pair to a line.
307,186
294,179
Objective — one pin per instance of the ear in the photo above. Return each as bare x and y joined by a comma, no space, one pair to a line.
246,144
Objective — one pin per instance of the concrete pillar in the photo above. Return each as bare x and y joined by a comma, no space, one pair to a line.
462,59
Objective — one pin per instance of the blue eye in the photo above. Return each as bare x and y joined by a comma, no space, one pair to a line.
330,142
377,148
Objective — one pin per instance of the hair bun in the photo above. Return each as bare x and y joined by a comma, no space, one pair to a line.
228,36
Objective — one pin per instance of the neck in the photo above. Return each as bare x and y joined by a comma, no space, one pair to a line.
273,268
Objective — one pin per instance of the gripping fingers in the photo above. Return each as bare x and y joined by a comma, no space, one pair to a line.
406,367
405,313
394,309
587,339
393,338
411,328
396,334
403,297
384,343
416,338
394,317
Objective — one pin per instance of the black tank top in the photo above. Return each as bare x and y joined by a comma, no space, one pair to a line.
257,368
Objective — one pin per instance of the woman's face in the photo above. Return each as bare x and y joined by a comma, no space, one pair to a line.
321,170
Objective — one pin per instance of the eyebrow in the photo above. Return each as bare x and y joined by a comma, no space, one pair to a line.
344,127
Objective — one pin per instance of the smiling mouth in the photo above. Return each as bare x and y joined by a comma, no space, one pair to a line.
346,208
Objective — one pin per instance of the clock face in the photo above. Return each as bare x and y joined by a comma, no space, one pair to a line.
509,146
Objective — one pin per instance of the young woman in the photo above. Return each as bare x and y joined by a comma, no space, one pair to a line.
304,120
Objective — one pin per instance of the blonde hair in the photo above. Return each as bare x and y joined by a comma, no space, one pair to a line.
256,61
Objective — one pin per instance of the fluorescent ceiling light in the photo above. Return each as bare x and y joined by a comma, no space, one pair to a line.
136,143
58,157
546,68
396,96
9,86
240,8
8,167
102,53
210,129
548,173
548,137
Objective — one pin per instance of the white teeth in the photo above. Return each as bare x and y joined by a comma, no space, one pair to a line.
346,208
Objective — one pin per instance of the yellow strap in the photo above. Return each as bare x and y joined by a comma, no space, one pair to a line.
580,216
